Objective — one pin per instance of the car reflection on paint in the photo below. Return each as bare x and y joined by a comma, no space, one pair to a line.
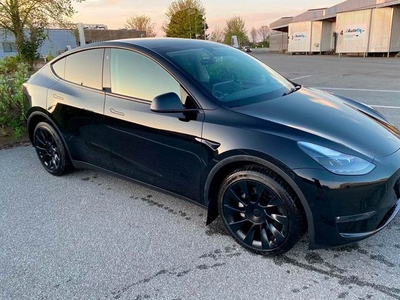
211,124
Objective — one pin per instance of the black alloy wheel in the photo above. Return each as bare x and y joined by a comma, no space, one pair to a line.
259,212
50,149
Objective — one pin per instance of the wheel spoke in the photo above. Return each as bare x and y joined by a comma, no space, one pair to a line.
260,188
43,137
244,188
40,138
235,226
265,243
39,148
279,218
274,202
250,235
233,210
232,196
279,237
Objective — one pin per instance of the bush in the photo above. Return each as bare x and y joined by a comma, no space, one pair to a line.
12,105
10,64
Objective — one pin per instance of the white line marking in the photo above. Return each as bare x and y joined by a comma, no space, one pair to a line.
301,77
384,106
357,90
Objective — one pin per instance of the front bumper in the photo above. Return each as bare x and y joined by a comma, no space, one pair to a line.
346,209
359,219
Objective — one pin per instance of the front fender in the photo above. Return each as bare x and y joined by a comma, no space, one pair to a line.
229,164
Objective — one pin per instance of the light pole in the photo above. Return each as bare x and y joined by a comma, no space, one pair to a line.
204,27
190,23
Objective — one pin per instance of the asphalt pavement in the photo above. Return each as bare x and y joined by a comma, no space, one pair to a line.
88,235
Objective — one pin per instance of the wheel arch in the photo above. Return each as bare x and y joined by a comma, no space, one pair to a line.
34,118
38,116
226,166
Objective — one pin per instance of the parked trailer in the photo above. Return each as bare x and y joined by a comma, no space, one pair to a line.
321,36
310,37
278,41
385,27
369,31
300,37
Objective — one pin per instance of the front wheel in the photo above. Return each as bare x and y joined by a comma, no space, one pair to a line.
259,212
50,149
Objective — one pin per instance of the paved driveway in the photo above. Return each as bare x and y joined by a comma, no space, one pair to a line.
92,236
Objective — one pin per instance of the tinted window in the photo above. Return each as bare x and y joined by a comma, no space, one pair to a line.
85,68
232,77
137,76
59,68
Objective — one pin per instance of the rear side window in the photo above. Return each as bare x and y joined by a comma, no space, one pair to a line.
59,68
83,68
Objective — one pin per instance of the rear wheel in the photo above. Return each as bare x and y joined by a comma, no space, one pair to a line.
50,149
259,212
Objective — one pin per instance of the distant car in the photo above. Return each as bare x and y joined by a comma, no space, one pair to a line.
246,49
209,123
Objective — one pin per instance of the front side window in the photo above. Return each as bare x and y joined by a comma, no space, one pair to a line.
137,76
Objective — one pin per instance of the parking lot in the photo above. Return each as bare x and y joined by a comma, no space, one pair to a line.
88,235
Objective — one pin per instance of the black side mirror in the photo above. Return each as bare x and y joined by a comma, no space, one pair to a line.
169,102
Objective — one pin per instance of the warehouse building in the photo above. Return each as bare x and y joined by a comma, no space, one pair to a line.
359,27
59,40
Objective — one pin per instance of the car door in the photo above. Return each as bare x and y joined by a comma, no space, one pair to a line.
161,149
76,105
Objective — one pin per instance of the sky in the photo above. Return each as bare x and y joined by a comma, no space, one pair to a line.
255,13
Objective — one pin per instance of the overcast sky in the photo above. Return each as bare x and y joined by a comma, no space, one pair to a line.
255,13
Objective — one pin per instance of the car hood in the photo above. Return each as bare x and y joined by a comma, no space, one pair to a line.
322,117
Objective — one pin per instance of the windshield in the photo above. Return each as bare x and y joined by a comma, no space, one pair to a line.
232,77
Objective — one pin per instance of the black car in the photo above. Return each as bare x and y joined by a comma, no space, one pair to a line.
214,125
246,49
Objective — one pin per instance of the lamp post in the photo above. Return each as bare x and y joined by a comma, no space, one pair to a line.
204,27
190,23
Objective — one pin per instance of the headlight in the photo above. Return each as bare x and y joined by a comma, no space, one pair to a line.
336,162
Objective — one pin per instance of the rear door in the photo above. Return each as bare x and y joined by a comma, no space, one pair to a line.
76,105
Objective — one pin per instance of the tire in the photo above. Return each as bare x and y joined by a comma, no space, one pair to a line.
50,149
259,212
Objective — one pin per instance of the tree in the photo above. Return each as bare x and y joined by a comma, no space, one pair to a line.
235,26
185,19
253,35
217,35
263,34
143,23
27,19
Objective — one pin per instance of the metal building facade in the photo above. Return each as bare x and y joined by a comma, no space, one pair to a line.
278,41
374,30
353,26
300,37
353,31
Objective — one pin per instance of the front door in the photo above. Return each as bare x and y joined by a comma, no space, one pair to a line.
161,149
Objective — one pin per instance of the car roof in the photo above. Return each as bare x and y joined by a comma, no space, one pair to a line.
152,43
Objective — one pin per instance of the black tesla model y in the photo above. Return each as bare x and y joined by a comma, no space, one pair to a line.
214,125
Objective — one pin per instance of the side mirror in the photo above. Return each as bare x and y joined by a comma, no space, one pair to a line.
167,103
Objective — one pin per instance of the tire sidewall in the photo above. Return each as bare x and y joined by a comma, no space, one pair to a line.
294,226
60,147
